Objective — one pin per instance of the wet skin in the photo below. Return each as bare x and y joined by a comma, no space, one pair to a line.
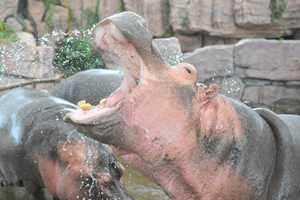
39,150
90,85
194,142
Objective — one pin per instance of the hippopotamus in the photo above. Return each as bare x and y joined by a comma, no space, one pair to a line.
40,150
91,85
191,140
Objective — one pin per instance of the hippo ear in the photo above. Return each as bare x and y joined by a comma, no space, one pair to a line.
126,40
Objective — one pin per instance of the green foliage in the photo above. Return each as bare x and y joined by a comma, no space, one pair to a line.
49,19
185,21
75,53
90,17
278,7
122,6
7,34
49,4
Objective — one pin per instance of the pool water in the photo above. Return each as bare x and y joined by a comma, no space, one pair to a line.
138,186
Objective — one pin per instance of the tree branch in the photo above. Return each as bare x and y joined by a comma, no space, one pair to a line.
30,82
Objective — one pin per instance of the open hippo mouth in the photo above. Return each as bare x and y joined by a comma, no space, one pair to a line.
87,114
125,38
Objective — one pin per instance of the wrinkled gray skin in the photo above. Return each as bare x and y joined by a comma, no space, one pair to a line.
90,85
285,182
34,139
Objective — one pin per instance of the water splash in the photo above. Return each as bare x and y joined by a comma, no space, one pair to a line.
50,39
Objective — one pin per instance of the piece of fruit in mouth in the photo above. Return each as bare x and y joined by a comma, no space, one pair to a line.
83,105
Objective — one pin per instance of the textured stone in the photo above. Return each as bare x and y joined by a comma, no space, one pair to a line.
291,17
269,94
297,34
252,13
293,83
136,6
191,15
212,40
212,61
12,22
81,10
189,42
218,18
268,59
27,38
223,19
29,61
8,7
155,13
170,49
58,18
37,10
110,7
231,40
287,106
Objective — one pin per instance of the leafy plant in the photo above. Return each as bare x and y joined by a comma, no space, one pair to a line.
7,34
90,16
75,53
278,7
49,12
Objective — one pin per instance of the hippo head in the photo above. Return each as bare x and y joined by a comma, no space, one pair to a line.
154,102
82,168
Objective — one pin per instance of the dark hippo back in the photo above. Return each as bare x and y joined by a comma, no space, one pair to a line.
39,149
285,183
17,118
91,85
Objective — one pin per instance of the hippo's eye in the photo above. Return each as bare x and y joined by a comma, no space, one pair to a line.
115,169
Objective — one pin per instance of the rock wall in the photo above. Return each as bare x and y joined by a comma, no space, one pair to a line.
196,23
255,71
27,65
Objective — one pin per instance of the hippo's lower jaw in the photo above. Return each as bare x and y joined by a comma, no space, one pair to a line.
105,122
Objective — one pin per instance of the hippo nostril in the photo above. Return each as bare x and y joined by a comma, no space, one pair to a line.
188,70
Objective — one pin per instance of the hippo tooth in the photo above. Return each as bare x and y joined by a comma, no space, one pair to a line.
102,103
81,102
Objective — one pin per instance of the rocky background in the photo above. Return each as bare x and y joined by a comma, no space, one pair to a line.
251,48
219,37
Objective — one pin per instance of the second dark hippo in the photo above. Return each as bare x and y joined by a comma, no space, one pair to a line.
90,85
39,150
